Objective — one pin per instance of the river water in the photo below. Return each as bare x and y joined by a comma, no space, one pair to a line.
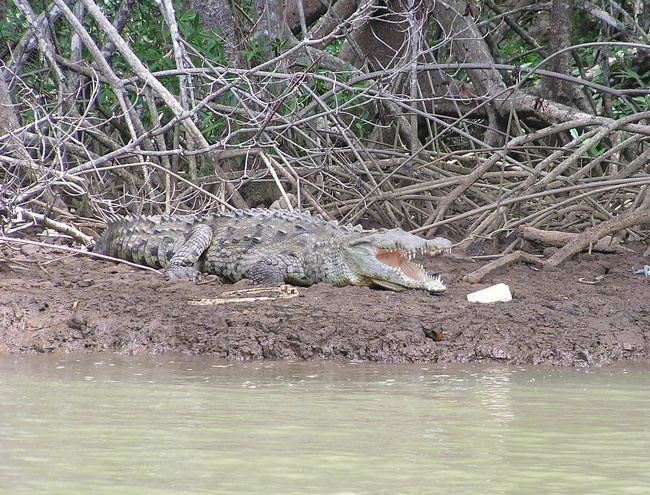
179,425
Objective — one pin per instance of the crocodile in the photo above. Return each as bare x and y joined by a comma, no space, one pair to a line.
272,247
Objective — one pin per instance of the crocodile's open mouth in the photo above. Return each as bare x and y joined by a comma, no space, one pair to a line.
385,259
398,260
409,275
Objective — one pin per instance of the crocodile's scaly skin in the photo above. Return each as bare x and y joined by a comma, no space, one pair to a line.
273,247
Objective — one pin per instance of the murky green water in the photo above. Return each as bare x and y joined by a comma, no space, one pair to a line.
176,425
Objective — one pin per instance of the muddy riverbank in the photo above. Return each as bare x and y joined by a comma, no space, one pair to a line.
54,302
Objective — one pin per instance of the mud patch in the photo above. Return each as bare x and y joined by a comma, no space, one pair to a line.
59,303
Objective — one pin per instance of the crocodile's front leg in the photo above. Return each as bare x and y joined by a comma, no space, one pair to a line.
277,270
182,264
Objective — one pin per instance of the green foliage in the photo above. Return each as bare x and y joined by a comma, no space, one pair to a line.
334,47
209,44
12,27
515,52
594,151
205,170
211,125
259,50
643,102
148,37
624,75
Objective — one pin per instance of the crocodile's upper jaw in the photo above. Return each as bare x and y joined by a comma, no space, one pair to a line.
385,259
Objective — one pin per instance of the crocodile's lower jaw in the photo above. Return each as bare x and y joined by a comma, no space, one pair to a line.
388,285
433,285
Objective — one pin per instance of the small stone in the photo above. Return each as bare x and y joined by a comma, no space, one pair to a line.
29,249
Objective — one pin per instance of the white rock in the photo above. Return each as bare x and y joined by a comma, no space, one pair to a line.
496,293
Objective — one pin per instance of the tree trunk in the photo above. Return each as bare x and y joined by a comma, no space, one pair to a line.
468,45
559,37
216,15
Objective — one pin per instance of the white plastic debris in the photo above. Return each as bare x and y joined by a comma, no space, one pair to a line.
496,293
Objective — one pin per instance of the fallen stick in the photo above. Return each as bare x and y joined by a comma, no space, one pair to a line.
478,275
590,236
55,247
560,239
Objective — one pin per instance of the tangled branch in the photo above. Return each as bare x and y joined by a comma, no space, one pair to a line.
428,134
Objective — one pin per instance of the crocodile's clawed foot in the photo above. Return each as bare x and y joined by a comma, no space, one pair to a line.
182,273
